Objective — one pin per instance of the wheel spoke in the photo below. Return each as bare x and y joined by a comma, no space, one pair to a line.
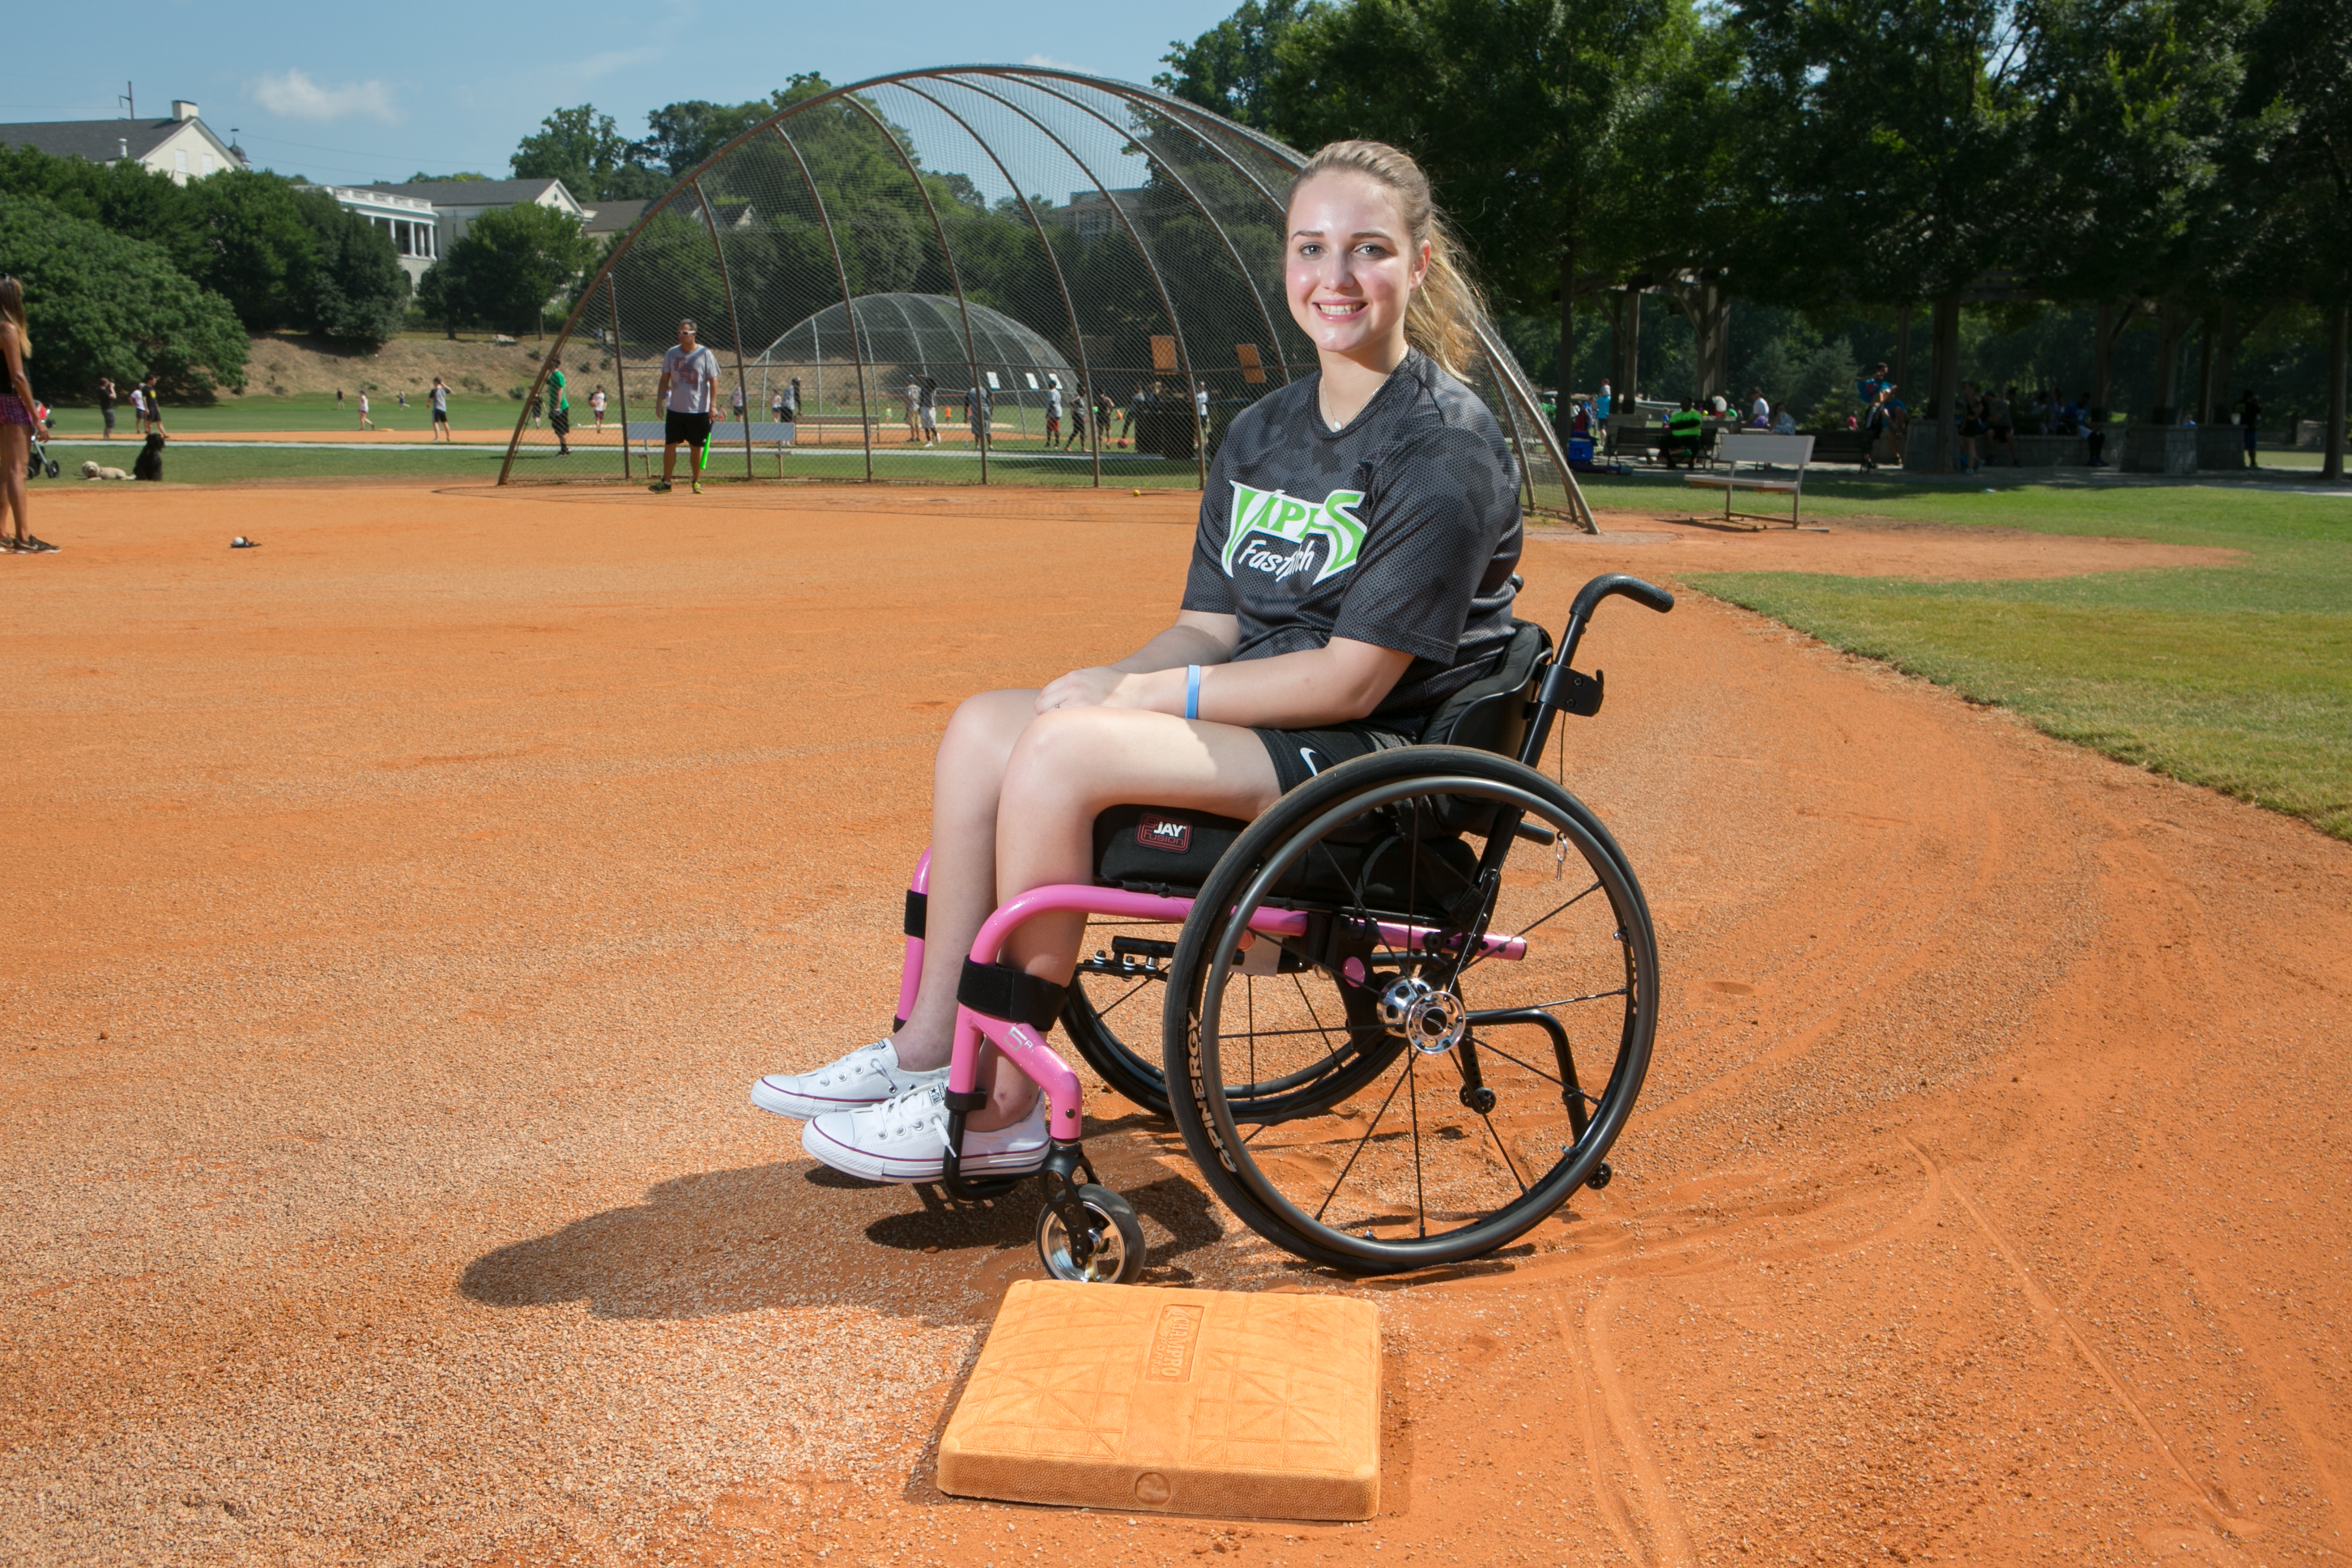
1486,1044
1419,1200
1130,991
1367,1138
1522,931
1505,1149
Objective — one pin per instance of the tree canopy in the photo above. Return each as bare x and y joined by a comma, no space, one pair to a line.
99,303
506,268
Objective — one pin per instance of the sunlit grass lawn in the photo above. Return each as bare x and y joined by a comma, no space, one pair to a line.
308,411
2236,677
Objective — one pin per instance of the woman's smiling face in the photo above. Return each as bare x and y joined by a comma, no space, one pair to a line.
1352,265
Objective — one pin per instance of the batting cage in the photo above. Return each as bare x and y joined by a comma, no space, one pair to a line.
982,274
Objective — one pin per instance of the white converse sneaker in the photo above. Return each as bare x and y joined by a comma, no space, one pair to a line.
867,1075
906,1140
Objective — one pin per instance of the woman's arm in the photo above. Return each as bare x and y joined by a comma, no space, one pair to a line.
16,357
1344,680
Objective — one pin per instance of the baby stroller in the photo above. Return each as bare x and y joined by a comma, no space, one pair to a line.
38,460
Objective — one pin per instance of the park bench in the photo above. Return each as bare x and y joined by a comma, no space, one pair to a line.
1841,445
1645,441
1768,454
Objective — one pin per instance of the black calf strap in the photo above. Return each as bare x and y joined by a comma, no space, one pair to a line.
918,914
1001,991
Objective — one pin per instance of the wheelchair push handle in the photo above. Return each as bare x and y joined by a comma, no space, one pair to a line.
1648,595
1588,599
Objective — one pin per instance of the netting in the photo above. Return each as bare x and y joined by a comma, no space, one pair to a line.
982,275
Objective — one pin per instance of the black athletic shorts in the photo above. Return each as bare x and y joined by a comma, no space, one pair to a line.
560,421
1300,754
694,428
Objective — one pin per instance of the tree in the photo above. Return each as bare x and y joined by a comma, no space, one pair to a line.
1539,121
1887,159
421,178
2303,183
1230,69
510,263
680,135
356,290
99,304
586,150
260,246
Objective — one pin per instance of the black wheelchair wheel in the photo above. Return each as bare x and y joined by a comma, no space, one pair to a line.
1510,1078
1121,984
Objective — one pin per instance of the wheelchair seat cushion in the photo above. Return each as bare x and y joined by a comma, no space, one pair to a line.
1171,851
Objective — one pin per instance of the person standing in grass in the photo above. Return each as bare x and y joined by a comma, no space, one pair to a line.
105,406
559,409
689,389
365,423
2250,419
1053,410
155,404
596,407
18,411
931,411
914,412
441,411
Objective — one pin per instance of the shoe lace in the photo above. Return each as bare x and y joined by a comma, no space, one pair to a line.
926,1104
855,1064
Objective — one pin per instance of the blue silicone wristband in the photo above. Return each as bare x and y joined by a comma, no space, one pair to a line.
1192,692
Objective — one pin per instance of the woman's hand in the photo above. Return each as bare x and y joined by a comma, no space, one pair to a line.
1101,687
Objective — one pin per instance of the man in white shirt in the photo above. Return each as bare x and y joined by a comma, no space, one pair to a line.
689,386
1759,410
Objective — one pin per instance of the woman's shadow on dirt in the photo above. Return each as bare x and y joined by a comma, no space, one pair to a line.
792,1234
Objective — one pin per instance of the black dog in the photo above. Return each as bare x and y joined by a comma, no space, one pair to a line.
150,462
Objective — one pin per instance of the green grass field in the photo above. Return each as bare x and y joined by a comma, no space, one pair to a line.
2238,677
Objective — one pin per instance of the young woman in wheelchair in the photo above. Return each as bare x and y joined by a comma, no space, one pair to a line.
1353,568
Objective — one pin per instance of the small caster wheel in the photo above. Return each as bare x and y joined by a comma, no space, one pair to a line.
1113,1245
1600,1177
1480,1101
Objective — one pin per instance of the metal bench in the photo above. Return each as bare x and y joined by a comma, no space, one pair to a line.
1770,453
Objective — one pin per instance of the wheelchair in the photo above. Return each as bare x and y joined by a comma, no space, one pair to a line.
1403,1014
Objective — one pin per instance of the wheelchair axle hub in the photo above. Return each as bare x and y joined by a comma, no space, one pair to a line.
1431,1019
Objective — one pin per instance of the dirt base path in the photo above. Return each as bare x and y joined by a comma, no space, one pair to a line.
397,913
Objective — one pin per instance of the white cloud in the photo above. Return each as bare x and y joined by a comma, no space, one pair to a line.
296,96
598,67
1048,62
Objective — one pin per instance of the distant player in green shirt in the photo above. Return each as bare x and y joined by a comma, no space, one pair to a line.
559,411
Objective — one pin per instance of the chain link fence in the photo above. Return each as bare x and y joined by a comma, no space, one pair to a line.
978,276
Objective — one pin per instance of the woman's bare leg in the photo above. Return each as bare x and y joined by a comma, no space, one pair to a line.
1015,797
16,447
965,783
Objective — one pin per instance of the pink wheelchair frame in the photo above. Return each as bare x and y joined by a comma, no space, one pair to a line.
1024,1043
1017,1027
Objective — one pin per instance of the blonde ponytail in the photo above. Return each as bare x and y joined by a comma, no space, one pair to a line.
1442,318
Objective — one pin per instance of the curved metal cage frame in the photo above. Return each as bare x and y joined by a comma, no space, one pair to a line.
1138,318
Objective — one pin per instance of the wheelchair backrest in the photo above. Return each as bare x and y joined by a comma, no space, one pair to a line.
1490,714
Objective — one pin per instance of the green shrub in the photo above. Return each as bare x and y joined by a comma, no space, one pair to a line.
99,304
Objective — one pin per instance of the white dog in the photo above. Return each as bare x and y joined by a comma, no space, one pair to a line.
92,471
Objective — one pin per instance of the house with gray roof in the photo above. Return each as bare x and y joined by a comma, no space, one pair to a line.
183,146
460,201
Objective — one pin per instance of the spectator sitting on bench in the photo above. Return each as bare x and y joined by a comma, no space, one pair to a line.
1684,427
1784,422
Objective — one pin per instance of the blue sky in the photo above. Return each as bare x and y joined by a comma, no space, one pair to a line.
349,93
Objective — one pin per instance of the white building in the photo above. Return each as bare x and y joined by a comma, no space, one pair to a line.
458,202
183,146
412,223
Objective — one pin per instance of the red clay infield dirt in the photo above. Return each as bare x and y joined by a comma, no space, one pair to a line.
396,914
